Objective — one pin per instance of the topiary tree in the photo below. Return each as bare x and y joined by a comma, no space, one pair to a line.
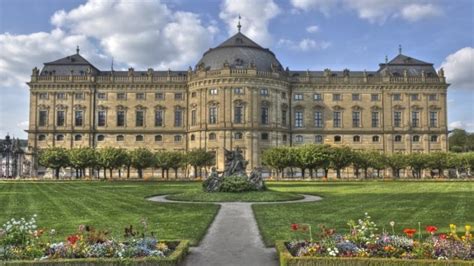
140,159
314,157
276,158
111,158
81,158
166,160
54,158
360,160
341,157
199,158
396,162
437,161
417,162
377,161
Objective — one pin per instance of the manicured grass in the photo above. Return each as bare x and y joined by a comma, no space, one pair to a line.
255,196
106,205
406,203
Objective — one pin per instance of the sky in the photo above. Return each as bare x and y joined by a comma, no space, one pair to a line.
304,34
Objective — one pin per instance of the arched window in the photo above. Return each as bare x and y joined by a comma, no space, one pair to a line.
42,137
78,137
299,139
158,138
318,139
356,139
119,138
398,138
100,138
212,136
177,138
416,138
337,138
60,137
434,138
139,138
193,137
375,138
238,135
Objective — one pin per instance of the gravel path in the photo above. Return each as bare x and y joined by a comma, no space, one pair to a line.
233,237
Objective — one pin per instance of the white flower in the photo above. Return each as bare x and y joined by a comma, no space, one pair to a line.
366,214
392,223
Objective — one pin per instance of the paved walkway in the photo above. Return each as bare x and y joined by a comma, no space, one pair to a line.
233,237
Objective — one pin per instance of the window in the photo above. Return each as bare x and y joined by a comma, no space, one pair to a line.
78,118
415,119
397,97
121,96
41,137
43,96
193,138
101,118
60,118
78,137
298,97
158,138
299,119
415,97
100,137
375,138
433,119
140,96
317,97
101,96
213,115
374,97
433,97
337,138
159,96
336,97
398,138
284,137
121,118
43,118
299,139
178,118
336,119
356,139
283,118
193,94
318,119
61,96
416,138
177,138
60,137
264,115
355,119
178,96
238,91
318,139
213,91
158,118
139,138
238,135
79,96
238,114
119,138
434,138
139,118
193,117
212,136
397,119
375,119
283,95
264,92
356,97
264,136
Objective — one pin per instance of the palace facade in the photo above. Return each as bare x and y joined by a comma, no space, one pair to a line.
238,96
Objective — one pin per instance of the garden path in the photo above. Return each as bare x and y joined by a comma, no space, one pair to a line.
233,237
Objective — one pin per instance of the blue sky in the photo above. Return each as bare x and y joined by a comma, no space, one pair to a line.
304,34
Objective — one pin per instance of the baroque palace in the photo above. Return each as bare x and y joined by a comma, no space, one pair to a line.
238,96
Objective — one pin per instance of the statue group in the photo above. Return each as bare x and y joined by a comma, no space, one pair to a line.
235,166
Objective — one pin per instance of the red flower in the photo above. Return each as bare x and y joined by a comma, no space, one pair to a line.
294,227
410,232
431,229
72,239
442,236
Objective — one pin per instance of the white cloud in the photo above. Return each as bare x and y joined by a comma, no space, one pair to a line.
256,15
324,6
467,125
415,12
312,29
459,68
304,45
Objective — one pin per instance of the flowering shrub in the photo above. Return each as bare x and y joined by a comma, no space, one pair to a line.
20,239
363,240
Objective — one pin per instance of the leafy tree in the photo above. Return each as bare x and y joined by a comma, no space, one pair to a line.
54,158
178,160
396,162
437,161
199,158
377,161
461,141
341,157
81,158
277,158
314,157
111,158
140,159
417,162
360,160
166,160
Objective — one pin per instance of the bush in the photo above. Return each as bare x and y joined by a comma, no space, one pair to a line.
236,184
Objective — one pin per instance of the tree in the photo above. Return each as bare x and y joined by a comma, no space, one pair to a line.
178,160
276,158
199,158
111,158
141,158
461,141
377,161
417,162
396,162
54,158
81,158
360,160
341,157
166,160
314,157
437,161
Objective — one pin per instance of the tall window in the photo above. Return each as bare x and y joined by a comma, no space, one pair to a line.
61,95
283,118
78,118
193,117
178,96
60,118
433,119
43,118
415,119
374,97
158,118
356,97
238,114
139,115
238,91
299,119
101,118
375,119
336,116
298,97
213,91
264,92
264,115
397,119
120,118
178,118
355,119
212,115
397,97
318,119
336,97
317,97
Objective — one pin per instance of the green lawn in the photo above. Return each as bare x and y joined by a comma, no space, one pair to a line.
406,203
199,196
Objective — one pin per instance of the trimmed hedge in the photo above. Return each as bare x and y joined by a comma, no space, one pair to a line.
173,259
286,259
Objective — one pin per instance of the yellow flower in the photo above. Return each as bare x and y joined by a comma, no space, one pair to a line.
452,227
161,246
468,228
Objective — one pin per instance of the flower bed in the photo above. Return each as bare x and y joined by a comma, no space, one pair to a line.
363,245
21,242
